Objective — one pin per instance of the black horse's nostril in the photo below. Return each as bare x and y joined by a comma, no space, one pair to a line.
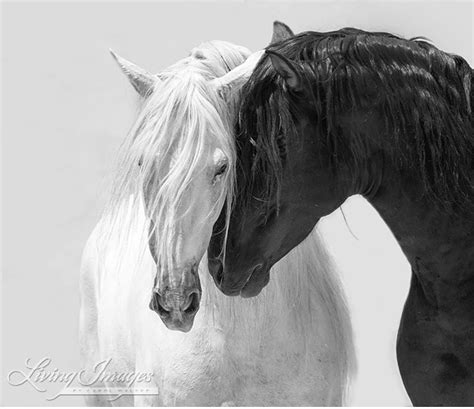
219,274
216,269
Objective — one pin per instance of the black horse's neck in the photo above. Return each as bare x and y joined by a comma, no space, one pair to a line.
432,220
391,119
434,345
437,242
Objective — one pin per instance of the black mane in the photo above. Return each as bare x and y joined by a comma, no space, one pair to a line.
424,95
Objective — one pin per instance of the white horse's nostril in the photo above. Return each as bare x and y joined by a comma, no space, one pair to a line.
193,303
188,302
158,304
175,303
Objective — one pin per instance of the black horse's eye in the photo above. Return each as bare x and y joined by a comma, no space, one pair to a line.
267,214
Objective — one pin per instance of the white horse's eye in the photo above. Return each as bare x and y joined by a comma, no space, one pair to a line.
221,169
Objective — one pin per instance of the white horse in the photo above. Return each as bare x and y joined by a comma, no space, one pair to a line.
291,345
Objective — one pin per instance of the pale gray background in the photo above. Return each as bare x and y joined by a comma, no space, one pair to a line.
65,109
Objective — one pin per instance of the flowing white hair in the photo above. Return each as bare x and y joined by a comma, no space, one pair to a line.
183,110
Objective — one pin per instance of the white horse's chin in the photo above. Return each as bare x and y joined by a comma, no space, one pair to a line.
179,327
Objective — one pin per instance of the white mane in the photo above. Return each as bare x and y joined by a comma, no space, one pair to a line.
181,114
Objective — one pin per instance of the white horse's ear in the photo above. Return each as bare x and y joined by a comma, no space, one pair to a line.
231,82
142,80
280,32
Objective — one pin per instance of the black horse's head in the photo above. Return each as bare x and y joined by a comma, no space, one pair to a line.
284,185
325,116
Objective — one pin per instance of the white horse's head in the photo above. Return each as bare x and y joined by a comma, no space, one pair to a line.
180,160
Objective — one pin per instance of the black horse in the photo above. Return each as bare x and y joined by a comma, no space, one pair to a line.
328,115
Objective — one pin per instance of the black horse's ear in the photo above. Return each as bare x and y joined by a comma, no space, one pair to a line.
287,70
280,32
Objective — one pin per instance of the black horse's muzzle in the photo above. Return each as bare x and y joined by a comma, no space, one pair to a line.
248,283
